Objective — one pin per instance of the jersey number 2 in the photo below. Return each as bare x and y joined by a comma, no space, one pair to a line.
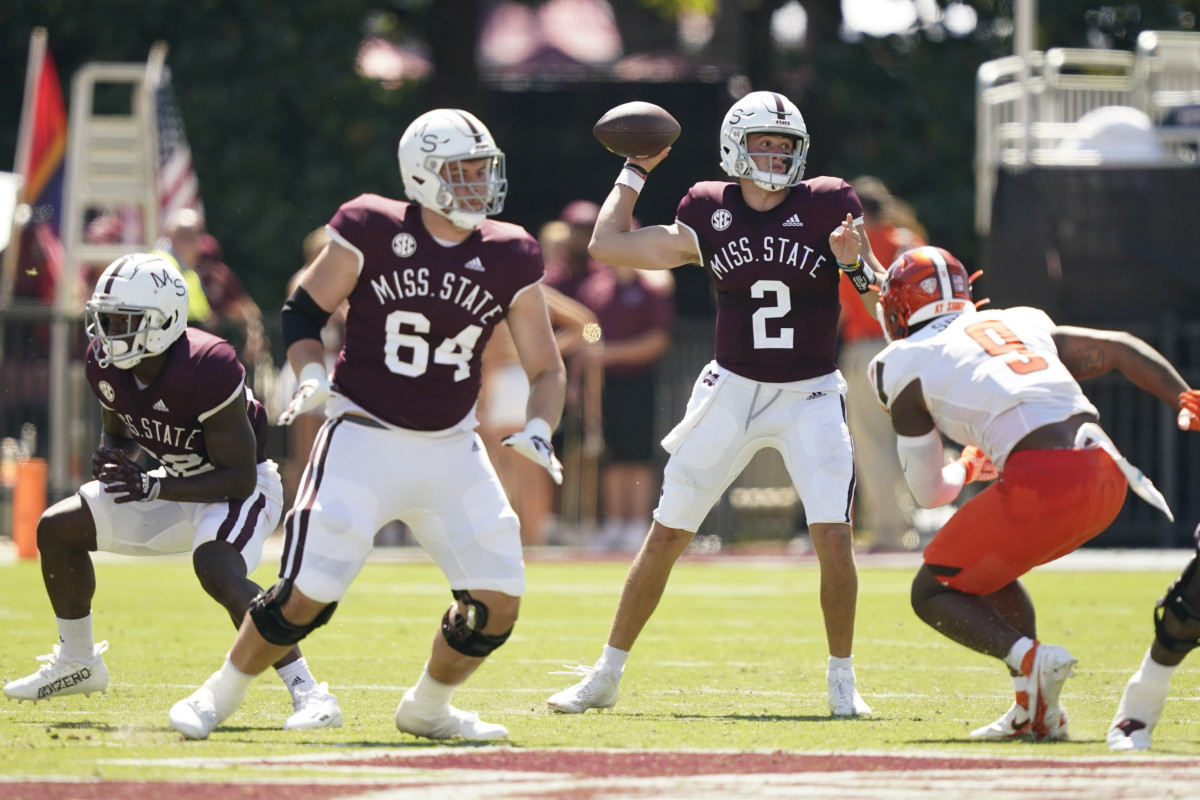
403,332
783,304
997,339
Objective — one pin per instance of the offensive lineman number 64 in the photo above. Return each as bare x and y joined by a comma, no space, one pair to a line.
404,329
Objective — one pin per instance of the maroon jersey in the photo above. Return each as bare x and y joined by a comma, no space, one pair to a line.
166,418
421,313
775,277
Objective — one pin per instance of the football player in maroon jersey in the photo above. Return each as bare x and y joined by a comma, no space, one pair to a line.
765,241
179,395
426,281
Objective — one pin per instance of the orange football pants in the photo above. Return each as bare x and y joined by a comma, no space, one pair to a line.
1045,504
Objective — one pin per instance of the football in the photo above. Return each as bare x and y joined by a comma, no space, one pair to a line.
636,130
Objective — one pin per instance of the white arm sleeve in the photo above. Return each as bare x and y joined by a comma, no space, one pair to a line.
922,458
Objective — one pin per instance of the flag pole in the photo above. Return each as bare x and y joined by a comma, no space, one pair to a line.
8,273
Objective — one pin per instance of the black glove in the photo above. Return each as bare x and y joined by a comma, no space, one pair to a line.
122,476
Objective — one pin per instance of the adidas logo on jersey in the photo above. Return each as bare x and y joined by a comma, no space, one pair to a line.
474,264
793,222
159,405
814,395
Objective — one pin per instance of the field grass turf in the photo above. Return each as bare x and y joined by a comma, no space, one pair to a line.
734,659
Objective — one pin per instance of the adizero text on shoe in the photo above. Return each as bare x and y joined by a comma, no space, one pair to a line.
598,689
1140,708
1049,669
61,675
844,699
445,722
1015,724
316,708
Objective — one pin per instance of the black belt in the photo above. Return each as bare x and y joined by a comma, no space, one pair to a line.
359,419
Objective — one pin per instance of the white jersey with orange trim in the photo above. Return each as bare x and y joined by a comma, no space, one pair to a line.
988,377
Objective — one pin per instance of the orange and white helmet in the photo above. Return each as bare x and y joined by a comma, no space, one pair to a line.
922,284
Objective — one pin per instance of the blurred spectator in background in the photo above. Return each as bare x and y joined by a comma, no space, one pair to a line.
303,430
636,312
568,263
502,412
882,505
579,439
221,305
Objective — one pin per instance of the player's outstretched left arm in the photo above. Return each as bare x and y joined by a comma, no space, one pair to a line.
1089,353
529,322
852,250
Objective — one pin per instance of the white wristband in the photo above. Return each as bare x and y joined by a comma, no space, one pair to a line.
537,426
312,370
631,179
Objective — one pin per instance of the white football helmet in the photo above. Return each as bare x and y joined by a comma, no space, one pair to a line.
431,153
151,292
763,112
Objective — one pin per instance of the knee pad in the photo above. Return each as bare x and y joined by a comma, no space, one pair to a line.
267,615
464,633
1176,601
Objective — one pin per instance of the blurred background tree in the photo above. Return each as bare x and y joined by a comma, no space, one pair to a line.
283,127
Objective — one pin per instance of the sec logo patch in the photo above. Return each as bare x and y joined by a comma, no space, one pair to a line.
404,245
721,219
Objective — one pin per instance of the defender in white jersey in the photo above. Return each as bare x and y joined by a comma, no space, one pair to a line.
1003,384
765,241
427,282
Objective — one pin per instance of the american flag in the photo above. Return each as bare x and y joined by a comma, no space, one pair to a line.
177,183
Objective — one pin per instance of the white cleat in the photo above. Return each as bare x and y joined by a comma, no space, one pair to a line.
844,699
445,722
1013,725
316,708
60,676
598,689
198,715
1051,667
1139,711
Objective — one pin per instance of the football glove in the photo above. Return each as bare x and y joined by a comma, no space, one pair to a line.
534,444
313,389
978,466
1189,410
104,457
123,477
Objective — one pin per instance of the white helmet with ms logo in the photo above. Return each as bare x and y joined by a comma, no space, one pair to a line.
151,296
770,113
432,154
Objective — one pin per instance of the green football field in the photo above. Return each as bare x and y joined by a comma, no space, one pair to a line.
734,659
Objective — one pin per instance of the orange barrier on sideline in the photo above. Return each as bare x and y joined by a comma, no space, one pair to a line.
28,503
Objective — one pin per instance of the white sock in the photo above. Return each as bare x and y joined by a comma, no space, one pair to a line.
1018,652
75,638
841,663
297,677
1154,672
229,685
613,659
431,692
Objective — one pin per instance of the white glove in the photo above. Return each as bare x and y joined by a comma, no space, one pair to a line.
534,444
312,389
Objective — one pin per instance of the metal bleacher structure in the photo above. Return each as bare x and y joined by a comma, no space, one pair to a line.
1028,128
1025,113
